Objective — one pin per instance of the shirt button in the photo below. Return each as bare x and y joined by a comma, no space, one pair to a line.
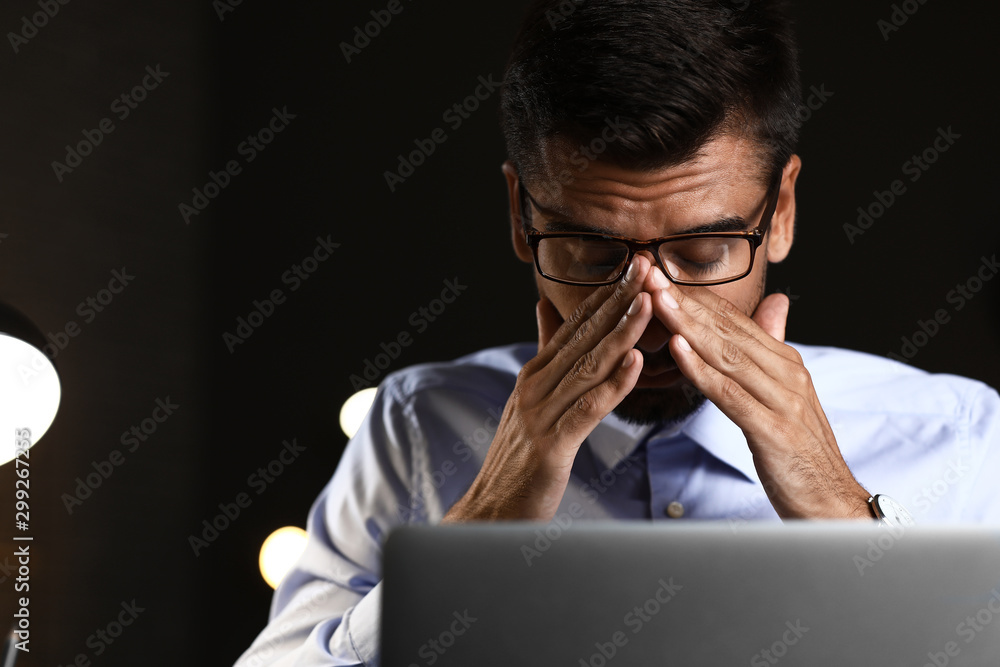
675,510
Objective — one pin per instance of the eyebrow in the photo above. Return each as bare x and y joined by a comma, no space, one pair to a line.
561,224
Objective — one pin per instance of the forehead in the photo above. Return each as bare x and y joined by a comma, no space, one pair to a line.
724,179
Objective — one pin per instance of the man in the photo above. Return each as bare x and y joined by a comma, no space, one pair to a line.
651,178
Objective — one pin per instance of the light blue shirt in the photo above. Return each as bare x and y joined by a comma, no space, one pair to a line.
930,441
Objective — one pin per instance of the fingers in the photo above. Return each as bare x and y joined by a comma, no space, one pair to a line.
735,362
598,381
549,321
771,315
596,318
586,364
712,313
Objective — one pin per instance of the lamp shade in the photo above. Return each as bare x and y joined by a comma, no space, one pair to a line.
29,384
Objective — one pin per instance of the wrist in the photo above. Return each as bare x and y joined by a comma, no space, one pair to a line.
889,512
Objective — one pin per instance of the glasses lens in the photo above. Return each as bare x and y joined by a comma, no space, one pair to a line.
705,260
581,259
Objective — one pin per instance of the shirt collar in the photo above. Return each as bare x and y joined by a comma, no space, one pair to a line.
723,439
614,438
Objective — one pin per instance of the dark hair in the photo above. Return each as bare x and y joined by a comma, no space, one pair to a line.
668,75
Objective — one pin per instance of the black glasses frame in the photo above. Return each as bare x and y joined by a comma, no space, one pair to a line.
753,236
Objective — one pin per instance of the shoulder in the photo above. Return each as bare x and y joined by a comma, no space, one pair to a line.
867,382
490,372
931,440
451,393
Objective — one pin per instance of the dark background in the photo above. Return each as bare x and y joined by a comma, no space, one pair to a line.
323,176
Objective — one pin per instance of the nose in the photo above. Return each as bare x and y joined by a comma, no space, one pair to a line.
654,337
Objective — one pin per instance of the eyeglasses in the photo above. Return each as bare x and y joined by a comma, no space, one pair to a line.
585,258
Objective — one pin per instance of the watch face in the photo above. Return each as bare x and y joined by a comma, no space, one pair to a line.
891,512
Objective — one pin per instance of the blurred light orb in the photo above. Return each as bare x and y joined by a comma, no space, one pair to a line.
354,410
29,394
279,552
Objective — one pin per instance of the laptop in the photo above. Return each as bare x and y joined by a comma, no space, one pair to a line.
630,593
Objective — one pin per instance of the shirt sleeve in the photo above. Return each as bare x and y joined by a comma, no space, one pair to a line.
326,611
983,433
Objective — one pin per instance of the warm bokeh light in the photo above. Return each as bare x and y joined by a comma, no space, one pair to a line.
29,393
354,410
279,552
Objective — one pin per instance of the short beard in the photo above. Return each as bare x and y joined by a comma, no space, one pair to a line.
643,407
652,406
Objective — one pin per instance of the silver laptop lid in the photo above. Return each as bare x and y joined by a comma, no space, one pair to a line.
623,594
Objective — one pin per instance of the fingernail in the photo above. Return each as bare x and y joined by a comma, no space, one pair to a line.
659,279
629,359
636,305
630,274
683,344
668,299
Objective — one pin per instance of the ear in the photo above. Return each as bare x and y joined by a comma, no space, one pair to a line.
521,248
782,230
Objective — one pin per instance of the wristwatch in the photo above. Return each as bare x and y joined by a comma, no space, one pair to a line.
889,512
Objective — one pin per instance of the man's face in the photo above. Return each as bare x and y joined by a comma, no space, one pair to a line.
724,182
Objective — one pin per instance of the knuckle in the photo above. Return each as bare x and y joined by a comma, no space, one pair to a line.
799,408
527,380
732,392
724,322
585,406
517,397
622,289
793,355
581,330
729,310
732,356
528,370
585,368
579,315
801,376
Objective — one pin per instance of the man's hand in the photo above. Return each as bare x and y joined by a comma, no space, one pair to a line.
743,366
584,368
